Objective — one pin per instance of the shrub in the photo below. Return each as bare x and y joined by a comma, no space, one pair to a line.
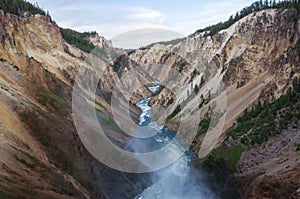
80,40
175,112
258,124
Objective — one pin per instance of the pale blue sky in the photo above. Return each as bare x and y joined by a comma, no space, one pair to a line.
110,18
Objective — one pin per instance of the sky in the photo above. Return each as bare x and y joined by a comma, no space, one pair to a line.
111,18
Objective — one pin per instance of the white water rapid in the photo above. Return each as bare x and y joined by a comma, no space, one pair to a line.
179,180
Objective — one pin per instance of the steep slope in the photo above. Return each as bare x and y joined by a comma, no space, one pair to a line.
41,153
253,61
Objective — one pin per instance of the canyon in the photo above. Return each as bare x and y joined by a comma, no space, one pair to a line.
42,155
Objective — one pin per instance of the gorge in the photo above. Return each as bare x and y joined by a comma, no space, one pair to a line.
220,107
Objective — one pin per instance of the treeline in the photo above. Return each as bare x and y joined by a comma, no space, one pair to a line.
174,113
78,39
255,126
19,7
165,43
256,6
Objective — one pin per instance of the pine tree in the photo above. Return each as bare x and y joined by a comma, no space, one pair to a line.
196,89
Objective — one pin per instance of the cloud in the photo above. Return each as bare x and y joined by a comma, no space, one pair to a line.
147,14
113,18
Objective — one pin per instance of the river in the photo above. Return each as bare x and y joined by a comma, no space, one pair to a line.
177,181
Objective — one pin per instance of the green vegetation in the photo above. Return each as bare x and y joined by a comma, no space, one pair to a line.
34,160
256,6
194,74
119,63
175,112
165,43
255,126
27,164
170,101
19,7
203,102
99,104
81,41
298,147
106,121
226,156
262,121
233,155
78,39
54,99
196,89
7,180
204,125
209,121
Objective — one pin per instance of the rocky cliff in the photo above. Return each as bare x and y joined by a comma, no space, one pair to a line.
253,61
215,76
41,153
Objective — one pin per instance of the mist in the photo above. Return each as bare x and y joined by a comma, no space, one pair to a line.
179,180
